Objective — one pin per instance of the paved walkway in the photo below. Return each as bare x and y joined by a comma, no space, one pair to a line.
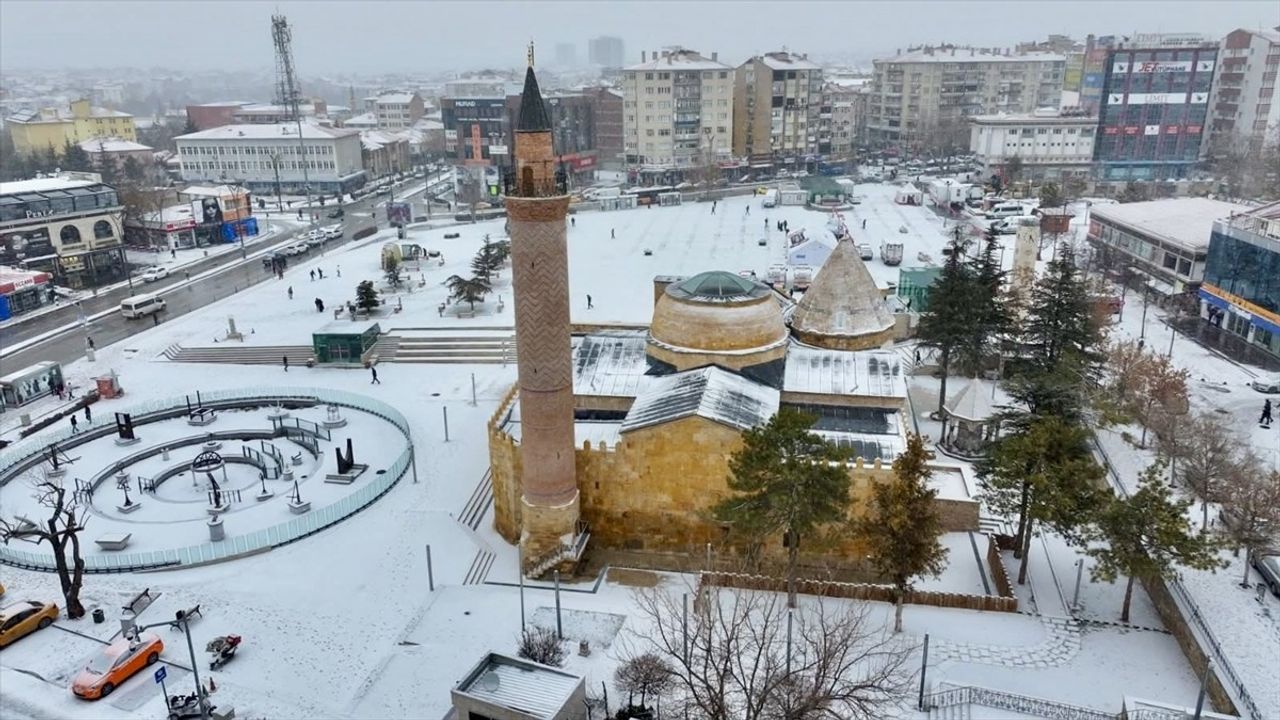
1061,645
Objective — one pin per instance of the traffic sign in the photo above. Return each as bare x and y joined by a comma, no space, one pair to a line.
160,674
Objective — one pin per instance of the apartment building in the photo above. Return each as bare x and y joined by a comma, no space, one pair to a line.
396,111
607,103
54,128
839,116
923,98
677,115
1050,145
1244,105
777,104
1154,107
269,158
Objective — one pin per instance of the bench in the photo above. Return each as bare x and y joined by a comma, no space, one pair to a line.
201,416
114,541
136,605
188,614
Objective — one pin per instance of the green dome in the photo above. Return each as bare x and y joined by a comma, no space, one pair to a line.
717,285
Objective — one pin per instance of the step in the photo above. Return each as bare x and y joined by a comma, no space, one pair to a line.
452,361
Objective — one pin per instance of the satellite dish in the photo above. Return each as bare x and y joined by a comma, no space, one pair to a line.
489,681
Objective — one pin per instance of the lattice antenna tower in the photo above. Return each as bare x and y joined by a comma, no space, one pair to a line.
286,80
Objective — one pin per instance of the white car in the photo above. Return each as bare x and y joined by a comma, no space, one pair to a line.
296,249
333,232
1267,385
154,273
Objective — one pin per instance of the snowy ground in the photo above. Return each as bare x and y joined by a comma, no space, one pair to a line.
343,624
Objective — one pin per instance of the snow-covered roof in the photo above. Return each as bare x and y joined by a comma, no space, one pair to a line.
969,55
976,401
395,99
366,119
844,300
788,61
1035,119
523,686
709,392
62,115
43,185
609,363
213,190
1187,222
679,60
268,131
843,372
112,145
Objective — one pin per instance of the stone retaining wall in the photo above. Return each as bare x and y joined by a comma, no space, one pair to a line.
858,591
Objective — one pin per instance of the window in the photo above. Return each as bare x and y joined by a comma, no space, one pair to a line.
69,235
648,76
102,230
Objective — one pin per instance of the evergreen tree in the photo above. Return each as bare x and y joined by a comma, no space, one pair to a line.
391,270
468,290
1133,193
1042,473
1148,536
785,479
901,527
366,296
74,157
1061,324
133,170
948,324
1050,196
988,309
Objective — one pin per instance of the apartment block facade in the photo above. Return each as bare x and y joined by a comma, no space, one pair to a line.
266,158
777,110
1245,104
677,115
52,128
1050,145
926,95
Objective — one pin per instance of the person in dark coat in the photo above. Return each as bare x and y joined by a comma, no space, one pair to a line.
75,426
319,305
88,414
1266,413
373,369
286,363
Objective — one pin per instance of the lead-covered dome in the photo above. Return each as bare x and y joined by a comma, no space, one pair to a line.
716,318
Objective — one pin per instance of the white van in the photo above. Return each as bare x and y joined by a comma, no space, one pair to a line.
1005,210
770,198
140,305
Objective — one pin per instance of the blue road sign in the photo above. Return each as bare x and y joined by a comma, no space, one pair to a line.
160,674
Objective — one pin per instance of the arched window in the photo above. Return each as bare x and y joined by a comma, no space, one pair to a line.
69,234
102,230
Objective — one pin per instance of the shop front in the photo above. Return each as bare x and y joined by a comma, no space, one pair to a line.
22,291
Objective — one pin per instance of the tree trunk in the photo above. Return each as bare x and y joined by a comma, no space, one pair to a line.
1022,518
1244,582
901,594
793,559
75,609
1128,596
1204,513
1026,550
945,366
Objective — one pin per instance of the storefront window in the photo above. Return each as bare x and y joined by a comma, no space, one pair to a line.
69,235
102,230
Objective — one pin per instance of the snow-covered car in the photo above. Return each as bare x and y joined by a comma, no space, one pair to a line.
153,274
1267,385
116,663
1268,566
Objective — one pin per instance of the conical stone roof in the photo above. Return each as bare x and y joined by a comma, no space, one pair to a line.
843,308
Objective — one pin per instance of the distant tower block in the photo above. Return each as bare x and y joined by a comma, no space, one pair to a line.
537,204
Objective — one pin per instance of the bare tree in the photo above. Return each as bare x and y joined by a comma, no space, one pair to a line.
733,660
1251,506
1208,454
541,645
648,675
62,532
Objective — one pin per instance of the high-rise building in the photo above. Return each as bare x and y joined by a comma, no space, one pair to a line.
537,202
608,124
677,115
606,51
1241,288
1154,105
1094,71
838,118
1245,102
566,55
923,98
777,101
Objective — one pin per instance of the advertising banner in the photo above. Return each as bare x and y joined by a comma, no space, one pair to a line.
399,213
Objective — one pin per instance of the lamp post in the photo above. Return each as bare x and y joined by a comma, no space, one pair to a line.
129,628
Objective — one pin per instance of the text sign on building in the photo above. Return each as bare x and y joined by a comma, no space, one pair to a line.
497,149
1174,98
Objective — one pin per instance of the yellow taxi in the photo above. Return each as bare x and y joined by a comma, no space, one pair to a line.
25,617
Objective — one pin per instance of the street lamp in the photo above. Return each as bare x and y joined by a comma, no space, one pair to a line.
129,628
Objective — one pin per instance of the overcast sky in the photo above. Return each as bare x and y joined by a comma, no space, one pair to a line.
336,36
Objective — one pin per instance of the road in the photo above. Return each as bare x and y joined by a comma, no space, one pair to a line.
181,296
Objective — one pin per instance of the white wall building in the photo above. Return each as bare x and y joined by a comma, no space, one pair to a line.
1050,146
1244,108
252,155
677,113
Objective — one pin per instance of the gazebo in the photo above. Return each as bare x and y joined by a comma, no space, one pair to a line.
971,419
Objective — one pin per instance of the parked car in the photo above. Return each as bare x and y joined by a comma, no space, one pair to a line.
1268,566
24,617
333,232
154,273
267,260
1268,385
115,664
296,249
866,252
336,213
138,306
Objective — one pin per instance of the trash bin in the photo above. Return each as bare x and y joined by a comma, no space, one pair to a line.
99,616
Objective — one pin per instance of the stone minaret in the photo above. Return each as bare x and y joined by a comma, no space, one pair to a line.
536,208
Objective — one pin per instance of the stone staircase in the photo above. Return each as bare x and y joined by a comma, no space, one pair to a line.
236,354
478,504
386,348
485,346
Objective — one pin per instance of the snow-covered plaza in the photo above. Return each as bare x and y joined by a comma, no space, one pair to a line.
380,614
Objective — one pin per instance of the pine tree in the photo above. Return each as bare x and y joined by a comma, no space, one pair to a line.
1042,473
785,479
74,157
1061,325
949,322
468,290
1133,193
391,270
901,527
133,170
366,296
1050,196
1148,536
988,308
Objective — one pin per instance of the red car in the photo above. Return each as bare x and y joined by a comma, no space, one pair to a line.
116,663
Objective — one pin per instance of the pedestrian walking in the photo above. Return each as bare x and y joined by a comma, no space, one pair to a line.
173,253
88,414
713,207
864,223
90,343
748,209
589,306
573,222
313,275
339,271
319,305
320,271
1266,413
155,318
286,363
373,369
187,274
613,234
75,426
766,224
290,292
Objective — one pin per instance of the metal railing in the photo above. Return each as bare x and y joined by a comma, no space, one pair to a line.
1222,666
284,533
1039,707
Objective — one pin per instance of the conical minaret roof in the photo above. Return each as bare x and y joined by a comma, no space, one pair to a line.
533,112
842,303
